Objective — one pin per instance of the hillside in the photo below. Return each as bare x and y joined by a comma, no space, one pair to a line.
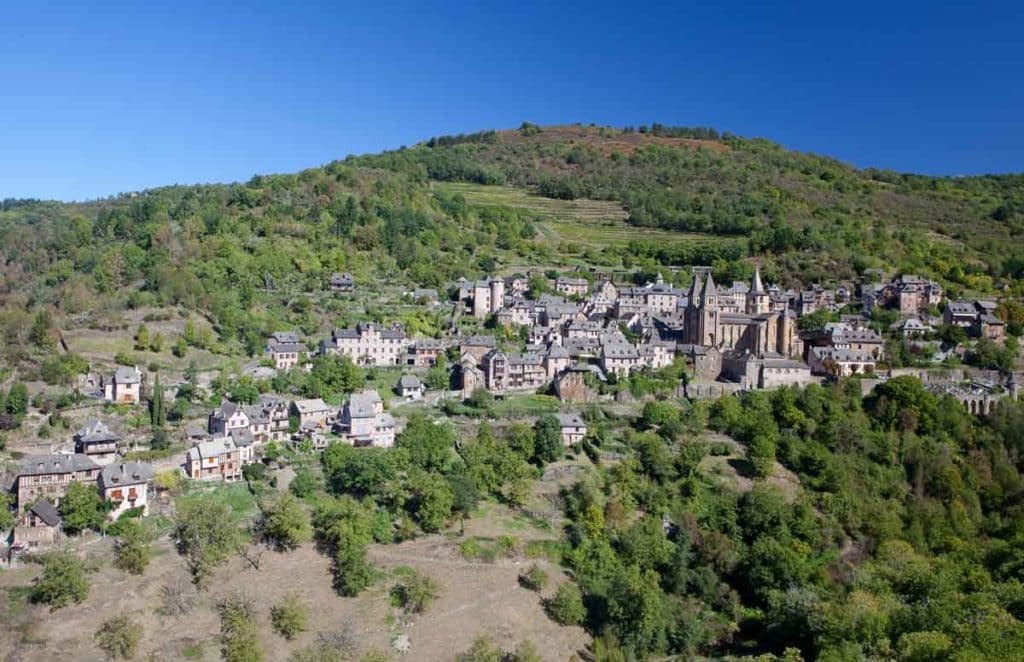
248,257
622,502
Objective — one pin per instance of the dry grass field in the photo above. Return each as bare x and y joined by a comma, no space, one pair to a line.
588,223
475,598
478,595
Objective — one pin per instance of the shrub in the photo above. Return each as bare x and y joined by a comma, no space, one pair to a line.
63,581
415,593
566,606
289,618
255,472
505,546
119,637
177,598
534,578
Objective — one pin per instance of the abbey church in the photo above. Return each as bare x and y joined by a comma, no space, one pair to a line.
757,327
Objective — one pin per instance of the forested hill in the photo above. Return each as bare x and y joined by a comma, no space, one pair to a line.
672,197
787,203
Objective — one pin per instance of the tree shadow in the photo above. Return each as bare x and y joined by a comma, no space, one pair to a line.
743,467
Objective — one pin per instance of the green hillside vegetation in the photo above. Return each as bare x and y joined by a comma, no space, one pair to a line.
248,258
902,541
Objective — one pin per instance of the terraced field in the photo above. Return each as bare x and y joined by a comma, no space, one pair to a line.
591,223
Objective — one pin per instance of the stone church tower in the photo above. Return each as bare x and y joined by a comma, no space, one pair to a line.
758,301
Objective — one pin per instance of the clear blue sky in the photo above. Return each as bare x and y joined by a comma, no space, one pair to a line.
99,98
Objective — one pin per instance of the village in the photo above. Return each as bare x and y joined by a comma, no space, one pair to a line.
576,342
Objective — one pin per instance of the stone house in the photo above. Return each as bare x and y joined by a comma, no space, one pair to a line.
216,459
488,297
410,386
48,477
572,286
313,412
369,344
124,387
513,372
424,352
477,347
363,421
39,527
987,325
620,358
286,355
573,427
840,362
97,442
960,313
342,282
276,409
126,486
226,418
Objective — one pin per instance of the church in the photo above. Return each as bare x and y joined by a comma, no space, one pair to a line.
710,321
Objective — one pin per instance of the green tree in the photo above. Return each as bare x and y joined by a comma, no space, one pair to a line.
438,376
344,527
17,400
157,415
119,637
82,508
430,500
429,443
352,570
42,330
63,581
161,441
6,516
548,445
239,632
762,455
465,495
142,338
304,484
289,617
180,348
205,534
923,646
285,522
132,551
566,606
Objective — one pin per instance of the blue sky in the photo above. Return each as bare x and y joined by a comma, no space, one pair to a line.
122,96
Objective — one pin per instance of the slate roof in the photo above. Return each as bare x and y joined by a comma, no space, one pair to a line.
46,511
211,448
285,336
95,431
571,420
41,465
129,473
311,405
126,375
363,404
410,381
282,347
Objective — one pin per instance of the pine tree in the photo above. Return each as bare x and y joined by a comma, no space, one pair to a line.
156,405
